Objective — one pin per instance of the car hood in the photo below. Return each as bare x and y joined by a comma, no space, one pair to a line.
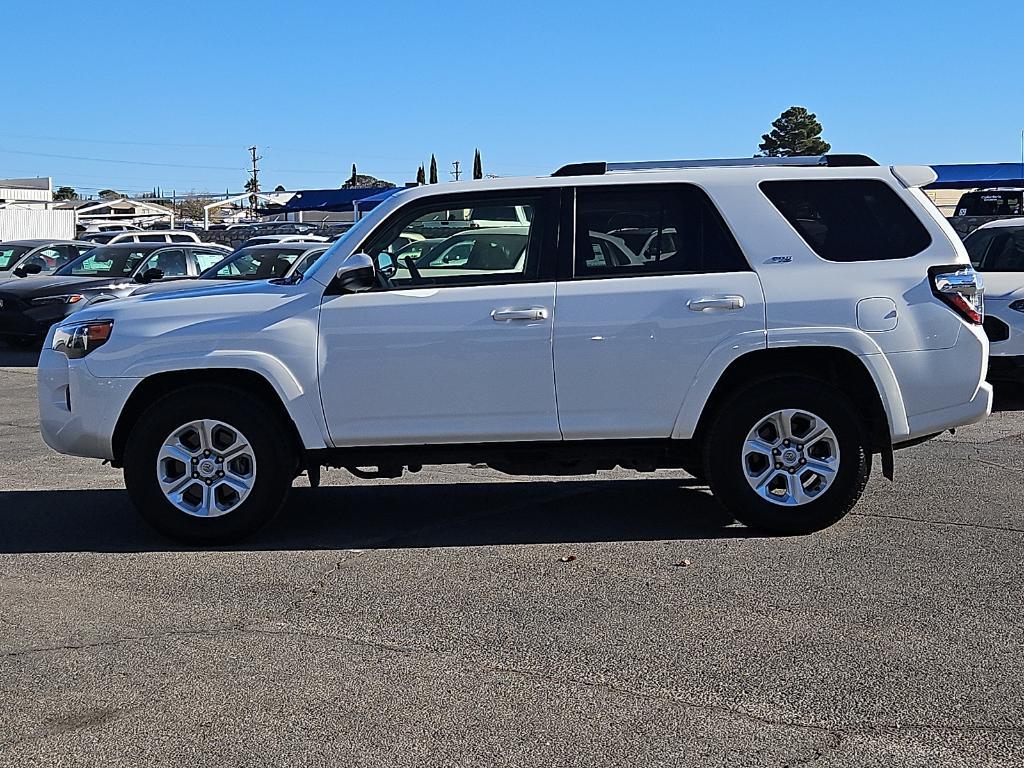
1003,285
178,285
53,285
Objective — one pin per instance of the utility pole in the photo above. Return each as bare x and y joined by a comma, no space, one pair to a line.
254,181
456,173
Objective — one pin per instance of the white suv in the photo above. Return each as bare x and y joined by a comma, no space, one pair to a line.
809,314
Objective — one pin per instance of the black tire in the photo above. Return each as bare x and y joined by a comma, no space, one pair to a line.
275,458
749,405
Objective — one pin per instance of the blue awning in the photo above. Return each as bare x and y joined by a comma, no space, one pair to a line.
366,203
326,199
974,175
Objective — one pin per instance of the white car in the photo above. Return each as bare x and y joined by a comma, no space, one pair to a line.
997,250
817,312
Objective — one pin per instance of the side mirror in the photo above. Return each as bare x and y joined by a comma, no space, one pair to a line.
150,275
386,265
28,269
355,274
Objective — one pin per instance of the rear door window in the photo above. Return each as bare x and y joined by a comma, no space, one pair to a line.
653,229
849,219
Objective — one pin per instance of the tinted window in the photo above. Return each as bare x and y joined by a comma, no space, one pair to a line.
990,204
468,243
999,249
256,264
105,262
849,220
171,262
149,239
182,239
9,255
206,259
651,230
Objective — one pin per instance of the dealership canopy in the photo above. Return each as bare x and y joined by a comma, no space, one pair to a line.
331,200
977,175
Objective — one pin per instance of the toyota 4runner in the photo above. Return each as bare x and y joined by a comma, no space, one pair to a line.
782,322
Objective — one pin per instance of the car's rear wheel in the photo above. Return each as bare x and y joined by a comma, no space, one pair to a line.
788,455
206,464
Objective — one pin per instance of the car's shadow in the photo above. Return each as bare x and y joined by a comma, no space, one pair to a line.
391,516
13,356
1008,397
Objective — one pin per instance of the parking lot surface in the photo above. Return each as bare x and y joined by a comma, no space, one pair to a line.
460,617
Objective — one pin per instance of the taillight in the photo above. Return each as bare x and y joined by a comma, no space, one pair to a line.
962,289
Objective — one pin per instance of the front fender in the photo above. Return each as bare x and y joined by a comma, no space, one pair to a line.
301,404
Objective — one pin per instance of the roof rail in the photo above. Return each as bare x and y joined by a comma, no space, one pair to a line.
600,168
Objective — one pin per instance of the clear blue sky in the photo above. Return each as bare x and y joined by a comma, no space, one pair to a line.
320,85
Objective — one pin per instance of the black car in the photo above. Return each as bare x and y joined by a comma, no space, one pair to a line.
29,307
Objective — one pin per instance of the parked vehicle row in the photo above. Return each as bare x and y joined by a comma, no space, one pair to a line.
770,324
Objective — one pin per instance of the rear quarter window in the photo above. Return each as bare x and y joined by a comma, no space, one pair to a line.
849,219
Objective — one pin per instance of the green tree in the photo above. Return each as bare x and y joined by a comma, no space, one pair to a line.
65,193
421,175
795,132
109,194
279,188
433,169
252,186
478,166
354,177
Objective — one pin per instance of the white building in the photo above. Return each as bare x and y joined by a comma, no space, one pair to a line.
37,191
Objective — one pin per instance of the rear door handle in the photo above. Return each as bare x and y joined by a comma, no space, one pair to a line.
531,313
712,303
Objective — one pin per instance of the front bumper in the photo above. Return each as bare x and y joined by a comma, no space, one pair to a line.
78,411
19,320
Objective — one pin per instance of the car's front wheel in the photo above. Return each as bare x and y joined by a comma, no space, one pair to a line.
788,455
207,464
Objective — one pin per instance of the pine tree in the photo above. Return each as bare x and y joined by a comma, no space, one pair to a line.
795,132
421,175
478,166
352,181
433,169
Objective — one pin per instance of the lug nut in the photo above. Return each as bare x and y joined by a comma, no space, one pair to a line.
778,465
803,461
792,471
220,474
785,442
206,453
208,482
220,460
776,451
195,475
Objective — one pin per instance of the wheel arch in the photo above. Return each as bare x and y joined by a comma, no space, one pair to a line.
866,379
157,385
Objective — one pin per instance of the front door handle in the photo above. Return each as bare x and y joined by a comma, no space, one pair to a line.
713,303
531,313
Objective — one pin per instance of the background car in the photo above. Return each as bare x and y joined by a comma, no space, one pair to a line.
30,307
997,250
19,258
265,239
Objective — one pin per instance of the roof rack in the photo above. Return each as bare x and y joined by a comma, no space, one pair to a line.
600,168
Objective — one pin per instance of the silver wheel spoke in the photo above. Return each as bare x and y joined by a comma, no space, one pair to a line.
782,471
194,474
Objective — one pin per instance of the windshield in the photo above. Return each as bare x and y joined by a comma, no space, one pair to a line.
9,255
306,262
255,264
105,262
1000,249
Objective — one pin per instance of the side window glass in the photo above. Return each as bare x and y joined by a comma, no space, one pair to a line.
464,243
206,259
849,219
651,230
148,239
181,239
171,262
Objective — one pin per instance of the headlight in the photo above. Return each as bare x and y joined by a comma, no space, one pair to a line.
79,339
70,298
1017,306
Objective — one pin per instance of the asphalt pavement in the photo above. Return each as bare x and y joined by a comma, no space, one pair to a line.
458,617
